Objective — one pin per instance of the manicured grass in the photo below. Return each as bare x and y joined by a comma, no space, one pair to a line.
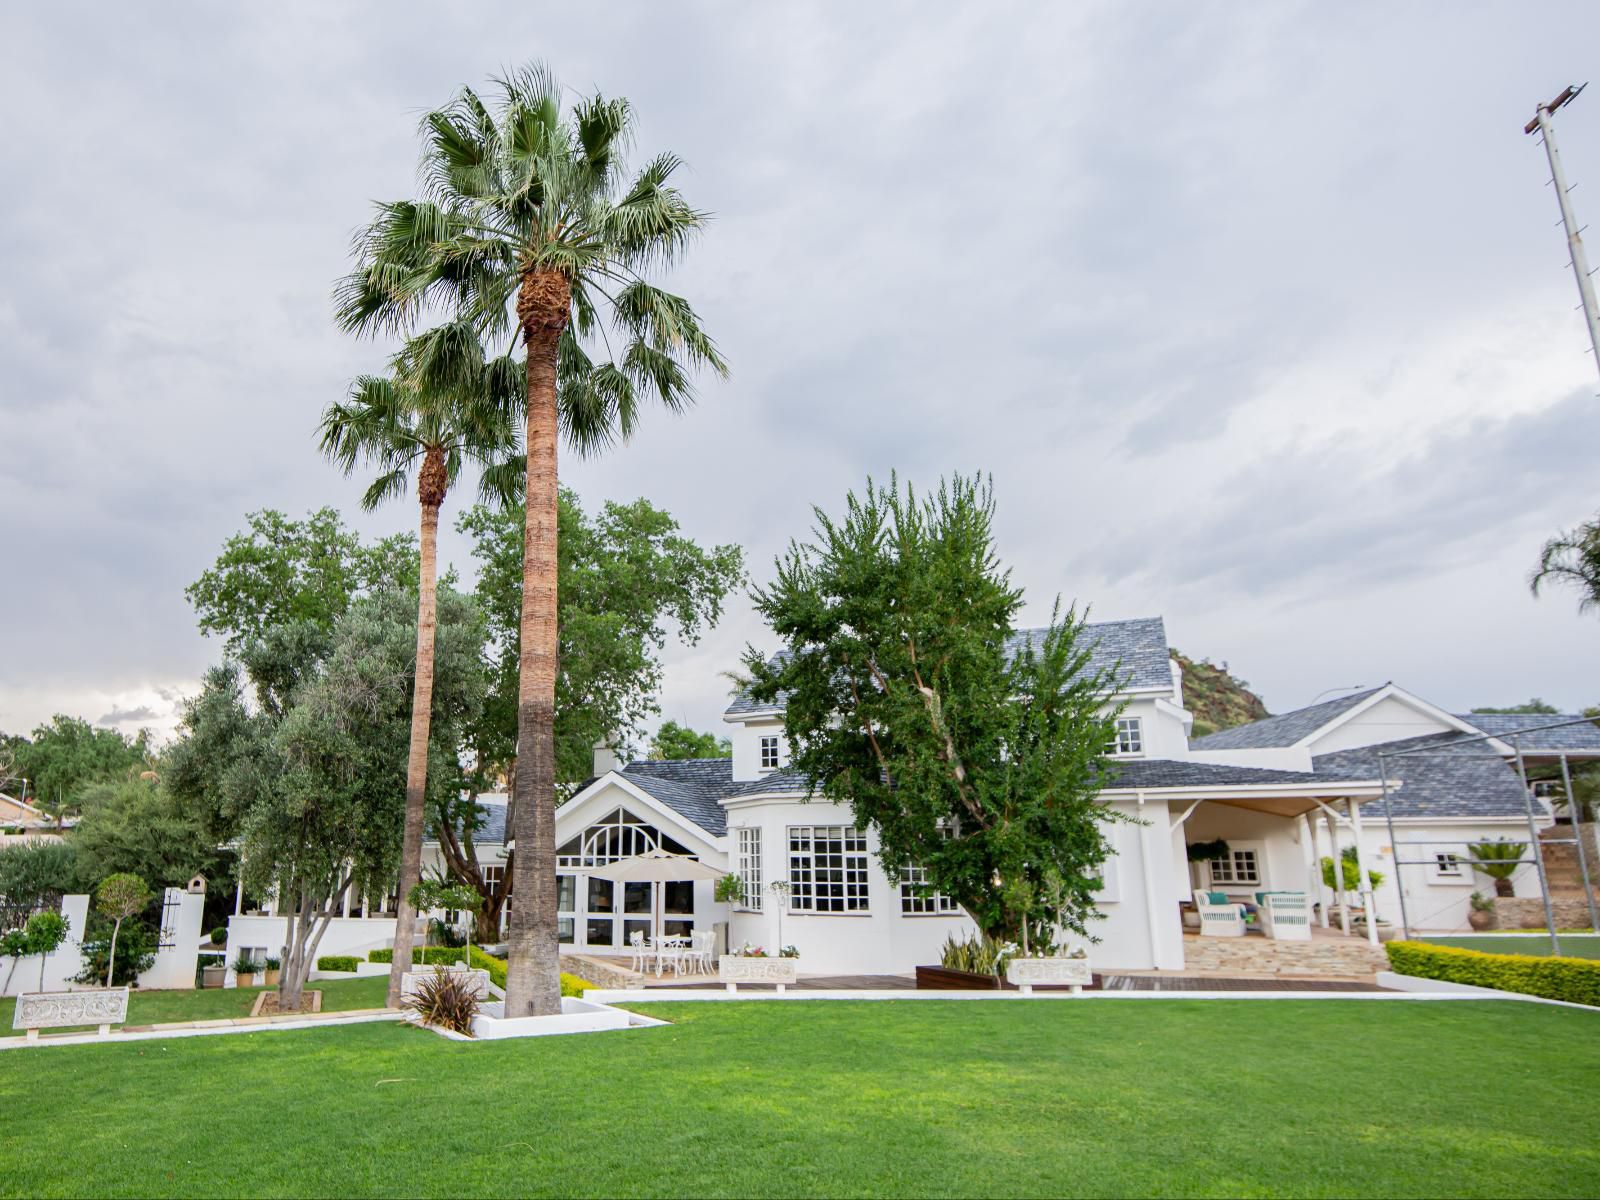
1573,945
1283,1098
215,1004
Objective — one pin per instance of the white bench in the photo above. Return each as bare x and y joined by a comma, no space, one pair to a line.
104,1007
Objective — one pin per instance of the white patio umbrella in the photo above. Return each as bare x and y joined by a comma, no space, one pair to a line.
656,866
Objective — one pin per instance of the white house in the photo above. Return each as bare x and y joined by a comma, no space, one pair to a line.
1281,792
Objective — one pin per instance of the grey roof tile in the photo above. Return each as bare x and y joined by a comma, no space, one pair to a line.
1167,772
1138,648
1454,776
1286,729
690,786
1574,739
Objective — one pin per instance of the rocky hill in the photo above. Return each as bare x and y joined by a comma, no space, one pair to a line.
1216,698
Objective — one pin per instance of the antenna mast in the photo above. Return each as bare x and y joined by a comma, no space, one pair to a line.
1580,261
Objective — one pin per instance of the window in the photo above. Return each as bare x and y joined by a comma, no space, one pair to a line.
916,901
750,868
827,869
769,752
1447,865
1130,736
1237,866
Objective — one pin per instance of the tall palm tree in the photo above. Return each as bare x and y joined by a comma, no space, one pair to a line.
1573,557
399,423
531,228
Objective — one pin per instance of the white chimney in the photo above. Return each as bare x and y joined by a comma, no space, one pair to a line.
605,758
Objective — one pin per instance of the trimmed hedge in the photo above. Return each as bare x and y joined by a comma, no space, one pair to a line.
431,955
337,962
1576,980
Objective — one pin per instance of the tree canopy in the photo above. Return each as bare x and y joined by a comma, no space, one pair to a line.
675,741
284,572
63,757
904,700
629,579
135,826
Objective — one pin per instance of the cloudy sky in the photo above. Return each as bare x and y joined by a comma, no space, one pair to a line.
1257,314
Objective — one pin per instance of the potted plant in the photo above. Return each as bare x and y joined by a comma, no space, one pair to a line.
219,936
752,964
245,970
270,970
1482,915
213,976
729,889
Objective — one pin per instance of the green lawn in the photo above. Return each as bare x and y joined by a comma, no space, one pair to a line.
1573,945
214,1004
838,1098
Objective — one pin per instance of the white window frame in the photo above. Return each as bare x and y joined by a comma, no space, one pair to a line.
842,886
750,869
1460,877
773,742
1128,741
1229,876
916,904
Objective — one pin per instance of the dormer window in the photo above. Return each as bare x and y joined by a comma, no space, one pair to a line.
1130,737
769,752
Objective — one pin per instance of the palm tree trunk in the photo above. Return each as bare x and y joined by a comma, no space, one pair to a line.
431,483
533,972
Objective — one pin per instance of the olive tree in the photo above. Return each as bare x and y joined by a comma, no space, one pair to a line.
119,897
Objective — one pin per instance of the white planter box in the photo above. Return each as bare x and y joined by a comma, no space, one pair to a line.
577,1016
104,1007
734,969
478,980
1026,973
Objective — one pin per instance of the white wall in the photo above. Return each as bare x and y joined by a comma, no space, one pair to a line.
746,737
59,967
1437,903
264,936
175,965
1389,720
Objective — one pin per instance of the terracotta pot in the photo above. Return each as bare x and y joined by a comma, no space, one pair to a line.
1481,919
270,978
246,980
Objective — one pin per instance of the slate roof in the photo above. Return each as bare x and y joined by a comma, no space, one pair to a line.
690,786
493,830
1573,739
1166,772
1137,647
1457,776
1285,729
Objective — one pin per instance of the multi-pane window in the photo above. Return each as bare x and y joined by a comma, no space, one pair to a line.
827,869
1447,865
1237,866
915,900
769,752
1130,736
750,868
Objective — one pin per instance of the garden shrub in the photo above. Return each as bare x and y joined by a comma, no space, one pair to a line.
136,952
433,956
446,1001
1573,979
571,985
337,962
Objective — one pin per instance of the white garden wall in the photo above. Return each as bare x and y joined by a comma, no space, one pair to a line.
60,967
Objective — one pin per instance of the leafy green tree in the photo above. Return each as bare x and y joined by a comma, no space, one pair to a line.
136,826
1534,707
282,572
136,952
119,897
398,424
312,784
37,873
1349,872
629,580
674,741
531,228
1572,558
68,754
42,935
979,764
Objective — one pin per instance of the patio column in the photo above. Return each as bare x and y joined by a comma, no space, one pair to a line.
1309,824
238,891
1338,873
1370,902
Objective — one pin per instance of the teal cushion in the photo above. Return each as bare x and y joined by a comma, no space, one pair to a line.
1217,897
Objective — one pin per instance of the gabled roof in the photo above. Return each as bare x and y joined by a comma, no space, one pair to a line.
491,830
1167,772
1456,775
691,787
1286,729
1137,650
1581,739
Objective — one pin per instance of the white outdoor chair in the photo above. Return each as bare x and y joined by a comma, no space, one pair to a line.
1286,916
636,947
1219,920
667,951
705,942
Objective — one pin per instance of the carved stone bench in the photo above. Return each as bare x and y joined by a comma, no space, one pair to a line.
104,1007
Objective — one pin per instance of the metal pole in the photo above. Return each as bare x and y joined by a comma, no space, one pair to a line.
1558,178
1538,851
1399,875
1583,856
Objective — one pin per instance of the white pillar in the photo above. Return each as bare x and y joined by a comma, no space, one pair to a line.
1314,843
1152,918
1338,873
238,892
1363,881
